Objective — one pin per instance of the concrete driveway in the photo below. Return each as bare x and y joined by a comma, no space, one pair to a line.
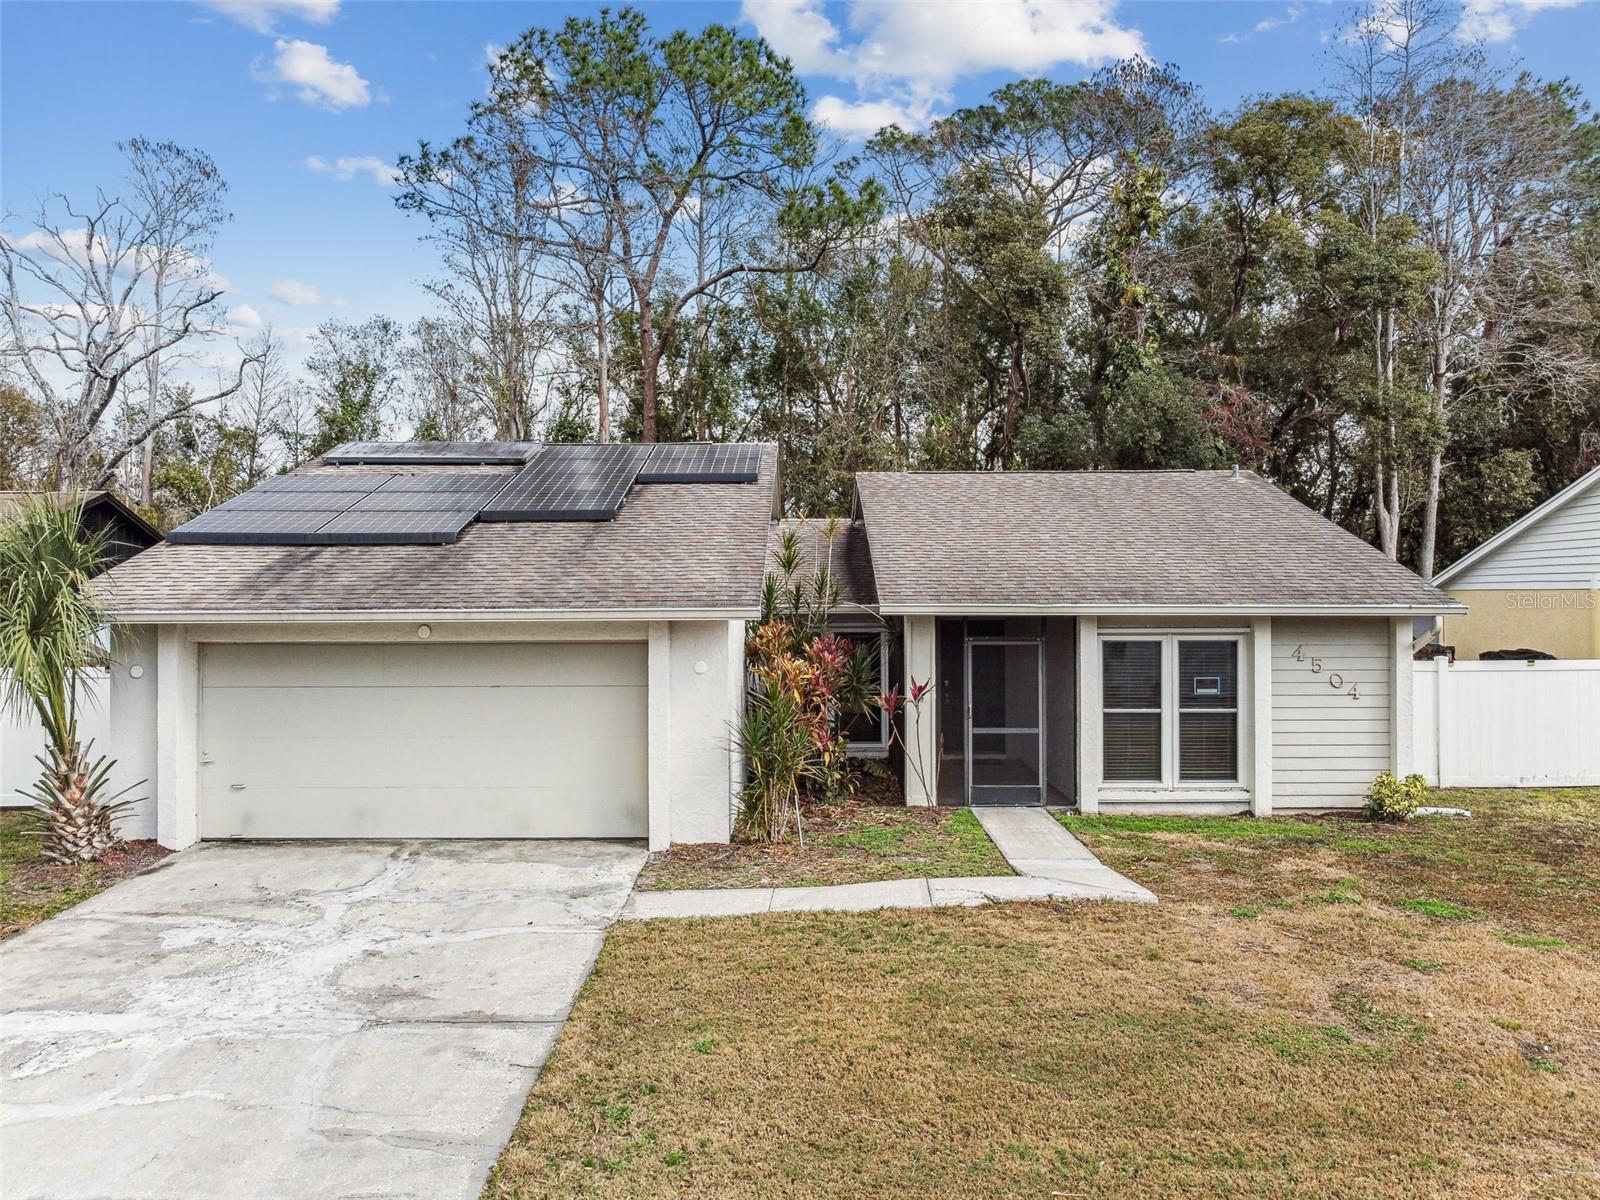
296,1020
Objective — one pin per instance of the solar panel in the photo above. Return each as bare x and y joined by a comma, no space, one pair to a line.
280,500
569,483
326,481
487,482
702,462
223,528
422,502
422,453
393,528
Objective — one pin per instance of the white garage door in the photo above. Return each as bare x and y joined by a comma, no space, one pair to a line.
447,741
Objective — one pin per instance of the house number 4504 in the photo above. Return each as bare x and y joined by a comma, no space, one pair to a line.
1335,680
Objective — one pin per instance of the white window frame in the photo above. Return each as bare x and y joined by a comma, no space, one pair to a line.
854,633
1171,712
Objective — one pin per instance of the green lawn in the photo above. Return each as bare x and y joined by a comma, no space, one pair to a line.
843,843
32,890
1317,1008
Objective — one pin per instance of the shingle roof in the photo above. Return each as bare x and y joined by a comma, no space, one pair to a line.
1183,539
692,547
847,556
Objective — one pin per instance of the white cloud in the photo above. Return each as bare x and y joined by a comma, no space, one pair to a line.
1290,16
315,77
347,168
904,58
292,291
1499,20
244,319
863,118
262,15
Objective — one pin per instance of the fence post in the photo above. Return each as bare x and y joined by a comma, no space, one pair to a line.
1441,665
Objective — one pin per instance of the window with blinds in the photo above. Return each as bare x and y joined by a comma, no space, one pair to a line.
1170,710
1131,697
1208,711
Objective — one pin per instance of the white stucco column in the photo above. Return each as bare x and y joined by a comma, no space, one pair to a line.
1261,716
177,738
659,734
131,699
1402,680
920,728
1089,716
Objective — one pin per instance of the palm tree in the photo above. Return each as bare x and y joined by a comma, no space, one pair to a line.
49,626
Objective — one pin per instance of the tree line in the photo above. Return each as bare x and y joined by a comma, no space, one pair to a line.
1380,293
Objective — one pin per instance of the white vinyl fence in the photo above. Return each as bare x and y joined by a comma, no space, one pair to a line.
22,740
1507,724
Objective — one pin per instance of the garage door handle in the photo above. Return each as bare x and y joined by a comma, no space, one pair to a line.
236,787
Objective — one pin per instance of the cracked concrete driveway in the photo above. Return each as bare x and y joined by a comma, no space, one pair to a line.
296,1020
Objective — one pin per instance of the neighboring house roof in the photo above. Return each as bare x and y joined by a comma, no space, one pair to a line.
126,531
846,554
673,548
1555,545
1021,541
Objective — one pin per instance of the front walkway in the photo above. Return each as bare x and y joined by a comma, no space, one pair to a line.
297,1021
1050,863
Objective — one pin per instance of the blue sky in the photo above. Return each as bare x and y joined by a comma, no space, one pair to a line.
305,103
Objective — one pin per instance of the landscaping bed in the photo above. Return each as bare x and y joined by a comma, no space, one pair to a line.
32,888
855,842
1316,1008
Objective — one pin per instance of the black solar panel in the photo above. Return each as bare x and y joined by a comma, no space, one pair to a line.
280,500
326,481
222,528
486,482
419,453
386,501
569,483
393,528
702,462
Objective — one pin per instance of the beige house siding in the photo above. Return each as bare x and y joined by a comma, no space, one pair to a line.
1327,743
1560,621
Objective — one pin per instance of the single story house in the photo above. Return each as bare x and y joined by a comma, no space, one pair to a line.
507,640
1535,585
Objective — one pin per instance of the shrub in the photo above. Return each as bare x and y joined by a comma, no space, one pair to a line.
1391,799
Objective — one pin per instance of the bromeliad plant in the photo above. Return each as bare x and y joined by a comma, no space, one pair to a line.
801,678
893,704
49,626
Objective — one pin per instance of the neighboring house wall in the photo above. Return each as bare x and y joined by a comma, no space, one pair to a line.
695,689
1538,590
1333,724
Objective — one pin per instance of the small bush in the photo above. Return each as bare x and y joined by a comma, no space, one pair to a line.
1391,799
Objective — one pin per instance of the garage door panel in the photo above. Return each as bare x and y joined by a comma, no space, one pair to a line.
426,813
273,763
332,741
336,713
423,664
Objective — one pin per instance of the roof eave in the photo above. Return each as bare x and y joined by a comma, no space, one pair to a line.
1560,500
324,616
892,608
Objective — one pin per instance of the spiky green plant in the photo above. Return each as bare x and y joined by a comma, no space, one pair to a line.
49,625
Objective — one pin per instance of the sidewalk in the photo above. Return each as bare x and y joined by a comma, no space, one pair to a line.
1050,863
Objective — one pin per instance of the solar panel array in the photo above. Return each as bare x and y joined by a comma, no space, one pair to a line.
570,483
702,462
352,507
408,454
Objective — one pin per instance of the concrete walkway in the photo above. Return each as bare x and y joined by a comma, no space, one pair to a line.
1050,863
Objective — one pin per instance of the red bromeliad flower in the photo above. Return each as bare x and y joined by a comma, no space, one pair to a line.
919,690
890,701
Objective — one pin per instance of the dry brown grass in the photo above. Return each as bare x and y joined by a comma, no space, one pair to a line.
855,842
1315,1042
